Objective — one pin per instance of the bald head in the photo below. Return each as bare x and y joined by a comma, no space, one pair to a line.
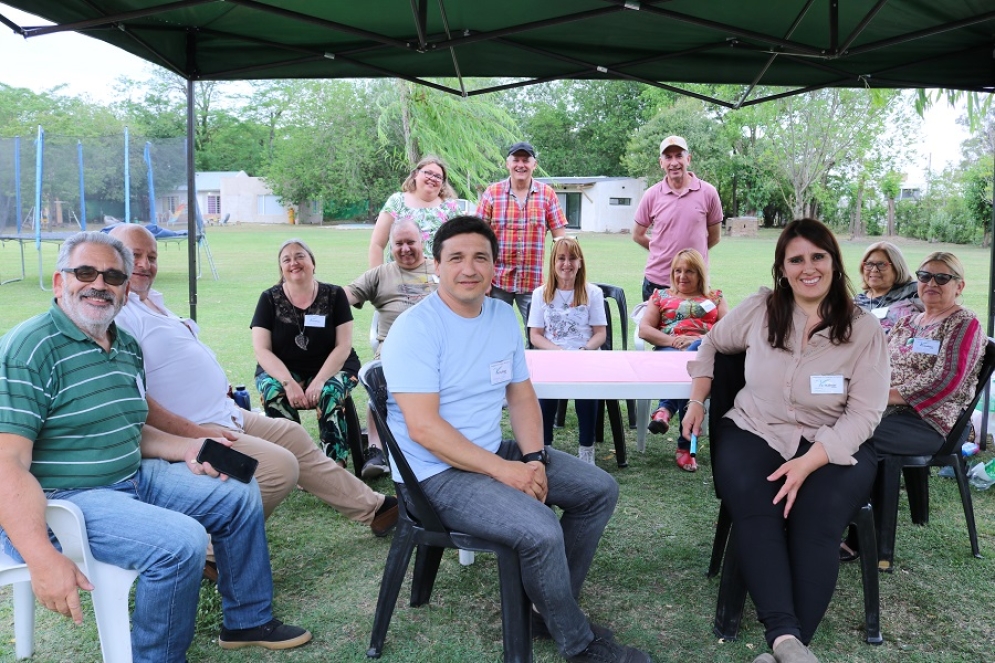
406,244
142,243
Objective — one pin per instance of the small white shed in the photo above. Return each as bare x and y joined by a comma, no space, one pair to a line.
598,204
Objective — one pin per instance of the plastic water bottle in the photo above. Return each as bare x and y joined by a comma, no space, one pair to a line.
241,396
969,449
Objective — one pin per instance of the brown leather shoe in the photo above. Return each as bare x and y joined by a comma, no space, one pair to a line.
793,651
211,572
385,518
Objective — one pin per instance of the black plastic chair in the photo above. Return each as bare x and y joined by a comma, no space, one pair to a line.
616,293
612,406
916,471
419,525
728,379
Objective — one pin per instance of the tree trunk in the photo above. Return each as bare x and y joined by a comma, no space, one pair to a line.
410,144
891,217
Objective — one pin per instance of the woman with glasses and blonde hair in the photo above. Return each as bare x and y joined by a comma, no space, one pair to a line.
889,286
935,359
425,197
568,313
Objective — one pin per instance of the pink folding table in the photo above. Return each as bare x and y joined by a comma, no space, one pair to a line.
611,375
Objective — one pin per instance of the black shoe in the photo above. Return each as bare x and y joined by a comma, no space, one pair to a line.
274,635
375,464
541,631
609,651
385,517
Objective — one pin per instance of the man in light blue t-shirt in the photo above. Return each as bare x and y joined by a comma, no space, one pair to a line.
450,362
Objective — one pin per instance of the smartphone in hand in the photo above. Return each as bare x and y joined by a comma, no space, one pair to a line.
228,461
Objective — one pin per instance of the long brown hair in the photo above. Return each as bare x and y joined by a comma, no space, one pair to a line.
570,246
836,308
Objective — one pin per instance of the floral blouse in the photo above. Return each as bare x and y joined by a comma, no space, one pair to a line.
428,219
938,381
686,316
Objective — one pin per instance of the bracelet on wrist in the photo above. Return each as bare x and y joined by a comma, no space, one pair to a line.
693,400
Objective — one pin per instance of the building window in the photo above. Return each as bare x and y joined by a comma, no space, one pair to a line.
620,201
172,202
213,203
315,207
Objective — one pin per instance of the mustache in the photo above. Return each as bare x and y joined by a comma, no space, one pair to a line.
97,294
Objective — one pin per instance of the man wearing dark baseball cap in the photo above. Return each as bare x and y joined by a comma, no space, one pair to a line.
684,211
520,211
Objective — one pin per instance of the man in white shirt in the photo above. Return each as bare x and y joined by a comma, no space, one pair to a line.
187,393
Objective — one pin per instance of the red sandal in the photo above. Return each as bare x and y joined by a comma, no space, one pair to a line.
686,461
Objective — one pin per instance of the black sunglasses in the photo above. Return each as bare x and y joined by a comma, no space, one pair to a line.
88,274
941,279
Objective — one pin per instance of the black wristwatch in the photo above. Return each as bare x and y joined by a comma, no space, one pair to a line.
541,456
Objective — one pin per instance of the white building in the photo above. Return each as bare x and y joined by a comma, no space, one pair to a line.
598,204
238,198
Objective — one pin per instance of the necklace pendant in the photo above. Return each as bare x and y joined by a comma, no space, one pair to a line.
301,341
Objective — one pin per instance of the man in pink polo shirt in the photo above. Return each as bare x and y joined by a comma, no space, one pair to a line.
684,211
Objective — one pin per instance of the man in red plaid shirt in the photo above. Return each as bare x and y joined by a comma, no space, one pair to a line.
520,210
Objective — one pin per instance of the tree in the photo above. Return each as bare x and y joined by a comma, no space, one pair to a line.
328,148
470,134
810,135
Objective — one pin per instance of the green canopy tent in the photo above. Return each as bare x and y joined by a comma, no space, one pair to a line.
802,44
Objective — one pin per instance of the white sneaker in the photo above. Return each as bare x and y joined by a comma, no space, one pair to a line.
586,454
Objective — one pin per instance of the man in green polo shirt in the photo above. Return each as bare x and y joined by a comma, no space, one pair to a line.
72,427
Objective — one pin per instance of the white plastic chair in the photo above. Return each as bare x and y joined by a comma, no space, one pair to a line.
111,586
644,407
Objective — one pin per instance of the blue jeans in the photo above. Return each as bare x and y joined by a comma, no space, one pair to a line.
676,405
587,416
555,554
520,299
155,522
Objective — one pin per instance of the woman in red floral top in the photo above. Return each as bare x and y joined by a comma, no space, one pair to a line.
677,319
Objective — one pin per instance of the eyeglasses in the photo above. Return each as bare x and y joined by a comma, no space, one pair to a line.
88,274
429,175
941,279
876,266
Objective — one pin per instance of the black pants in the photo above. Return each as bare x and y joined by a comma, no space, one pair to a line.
790,565
649,287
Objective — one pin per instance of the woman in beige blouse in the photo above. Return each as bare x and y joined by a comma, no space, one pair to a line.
794,467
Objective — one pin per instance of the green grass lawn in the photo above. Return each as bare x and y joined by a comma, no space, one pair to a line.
648,580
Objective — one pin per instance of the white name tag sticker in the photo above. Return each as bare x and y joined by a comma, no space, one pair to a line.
140,385
314,321
501,372
708,305
926,346
880,313
827,384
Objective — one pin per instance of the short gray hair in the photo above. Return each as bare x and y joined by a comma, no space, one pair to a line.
91,237
402,222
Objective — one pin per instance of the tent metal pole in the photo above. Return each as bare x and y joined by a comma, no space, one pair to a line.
82,186
981,436
191,204
127,179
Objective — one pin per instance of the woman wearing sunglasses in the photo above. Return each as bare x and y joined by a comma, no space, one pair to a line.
889,286
935,359
425,197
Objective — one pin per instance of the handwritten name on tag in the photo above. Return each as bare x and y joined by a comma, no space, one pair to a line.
827,384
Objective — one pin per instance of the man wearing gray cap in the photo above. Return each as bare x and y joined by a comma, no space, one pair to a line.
684,211
519,211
